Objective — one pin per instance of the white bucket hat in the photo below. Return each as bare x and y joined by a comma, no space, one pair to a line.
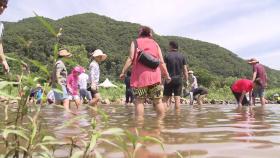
253,61
99,52
64,53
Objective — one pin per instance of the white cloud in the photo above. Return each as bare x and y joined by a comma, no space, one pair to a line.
271,59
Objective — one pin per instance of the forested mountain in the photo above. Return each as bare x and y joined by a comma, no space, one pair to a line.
28,39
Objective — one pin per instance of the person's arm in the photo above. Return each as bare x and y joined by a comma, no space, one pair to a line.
69,85
186,75
128,61
250,97
241,98
254,73
254,76
163,65
3,59
58,71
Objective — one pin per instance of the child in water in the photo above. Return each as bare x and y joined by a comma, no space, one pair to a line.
72,85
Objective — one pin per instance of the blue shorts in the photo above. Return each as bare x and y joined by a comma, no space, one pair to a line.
84,93
60,96
258,91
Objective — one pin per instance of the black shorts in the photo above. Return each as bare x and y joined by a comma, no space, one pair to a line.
175,86
199,91
237,96
92,92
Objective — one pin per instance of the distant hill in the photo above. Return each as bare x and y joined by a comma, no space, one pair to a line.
90,31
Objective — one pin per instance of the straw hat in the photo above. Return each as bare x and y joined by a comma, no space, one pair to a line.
253,61
64,53
190,72
99,52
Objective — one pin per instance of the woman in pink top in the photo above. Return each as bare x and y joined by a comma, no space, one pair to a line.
72,85
146,81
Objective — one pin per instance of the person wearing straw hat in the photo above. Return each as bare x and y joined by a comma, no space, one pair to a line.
193,85
260,78
94,73
59,77
3,6
193,80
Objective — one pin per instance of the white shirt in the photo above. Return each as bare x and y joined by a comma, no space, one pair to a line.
50,95
83,80
94,72
193,82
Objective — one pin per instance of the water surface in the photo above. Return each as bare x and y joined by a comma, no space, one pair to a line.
208,131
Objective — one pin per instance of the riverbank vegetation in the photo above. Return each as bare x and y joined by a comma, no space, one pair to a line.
80,34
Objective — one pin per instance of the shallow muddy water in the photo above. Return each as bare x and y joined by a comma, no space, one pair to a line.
209,131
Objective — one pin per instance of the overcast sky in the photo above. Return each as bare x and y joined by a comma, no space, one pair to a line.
249,28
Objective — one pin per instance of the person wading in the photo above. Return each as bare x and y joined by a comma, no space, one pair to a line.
177,68
94,73
260,78
59,78
145,80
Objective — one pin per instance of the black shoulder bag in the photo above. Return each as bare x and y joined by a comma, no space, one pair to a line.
146,58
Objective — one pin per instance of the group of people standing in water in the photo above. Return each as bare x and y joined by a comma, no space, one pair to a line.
78,85
148,70
172,71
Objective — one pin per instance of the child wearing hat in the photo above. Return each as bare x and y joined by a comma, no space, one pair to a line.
94,73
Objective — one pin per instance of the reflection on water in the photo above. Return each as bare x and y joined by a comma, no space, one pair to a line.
212,131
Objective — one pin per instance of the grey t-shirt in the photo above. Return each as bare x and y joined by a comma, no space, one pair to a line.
59,73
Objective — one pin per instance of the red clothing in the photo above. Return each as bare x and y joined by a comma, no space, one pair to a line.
242,85
261,74
141,75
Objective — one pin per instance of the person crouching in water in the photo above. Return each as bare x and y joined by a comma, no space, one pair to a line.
198,94
72,85
240,88
94,73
